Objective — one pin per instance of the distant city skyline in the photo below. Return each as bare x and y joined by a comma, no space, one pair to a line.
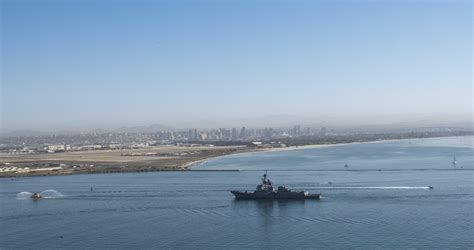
281,123
103,64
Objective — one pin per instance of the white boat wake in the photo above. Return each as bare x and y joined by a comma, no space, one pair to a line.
23,195
46,194
382,187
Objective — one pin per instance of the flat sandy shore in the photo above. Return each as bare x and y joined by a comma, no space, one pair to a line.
162,158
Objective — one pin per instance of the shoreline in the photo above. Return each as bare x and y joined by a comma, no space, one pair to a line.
303,147
188,164
291,148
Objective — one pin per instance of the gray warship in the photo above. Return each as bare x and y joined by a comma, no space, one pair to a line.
267,191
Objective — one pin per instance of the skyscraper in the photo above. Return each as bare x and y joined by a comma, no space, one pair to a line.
234,134
296,130
323,131
242,133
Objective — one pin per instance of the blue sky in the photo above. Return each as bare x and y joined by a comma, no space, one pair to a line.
107,63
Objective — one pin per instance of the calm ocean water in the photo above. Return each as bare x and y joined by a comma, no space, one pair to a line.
380,200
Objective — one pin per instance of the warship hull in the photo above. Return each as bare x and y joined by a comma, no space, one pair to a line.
239,195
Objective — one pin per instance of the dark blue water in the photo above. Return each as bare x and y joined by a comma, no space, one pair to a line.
380,200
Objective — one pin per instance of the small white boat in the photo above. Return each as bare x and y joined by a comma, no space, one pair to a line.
36,195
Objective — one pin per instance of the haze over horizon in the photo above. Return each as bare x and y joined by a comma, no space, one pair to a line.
347,123
96,64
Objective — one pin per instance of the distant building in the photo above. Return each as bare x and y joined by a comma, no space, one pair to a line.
268,133
87,147
59,147
323,131
242,133
192,135
234,134
296,130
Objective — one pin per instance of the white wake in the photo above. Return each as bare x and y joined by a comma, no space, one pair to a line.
380,187
46,194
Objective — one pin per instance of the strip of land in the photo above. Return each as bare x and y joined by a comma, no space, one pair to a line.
160,158
155,158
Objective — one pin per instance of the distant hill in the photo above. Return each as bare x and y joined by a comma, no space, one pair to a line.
134,129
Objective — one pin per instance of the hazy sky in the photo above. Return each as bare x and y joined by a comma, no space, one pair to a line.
100,63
